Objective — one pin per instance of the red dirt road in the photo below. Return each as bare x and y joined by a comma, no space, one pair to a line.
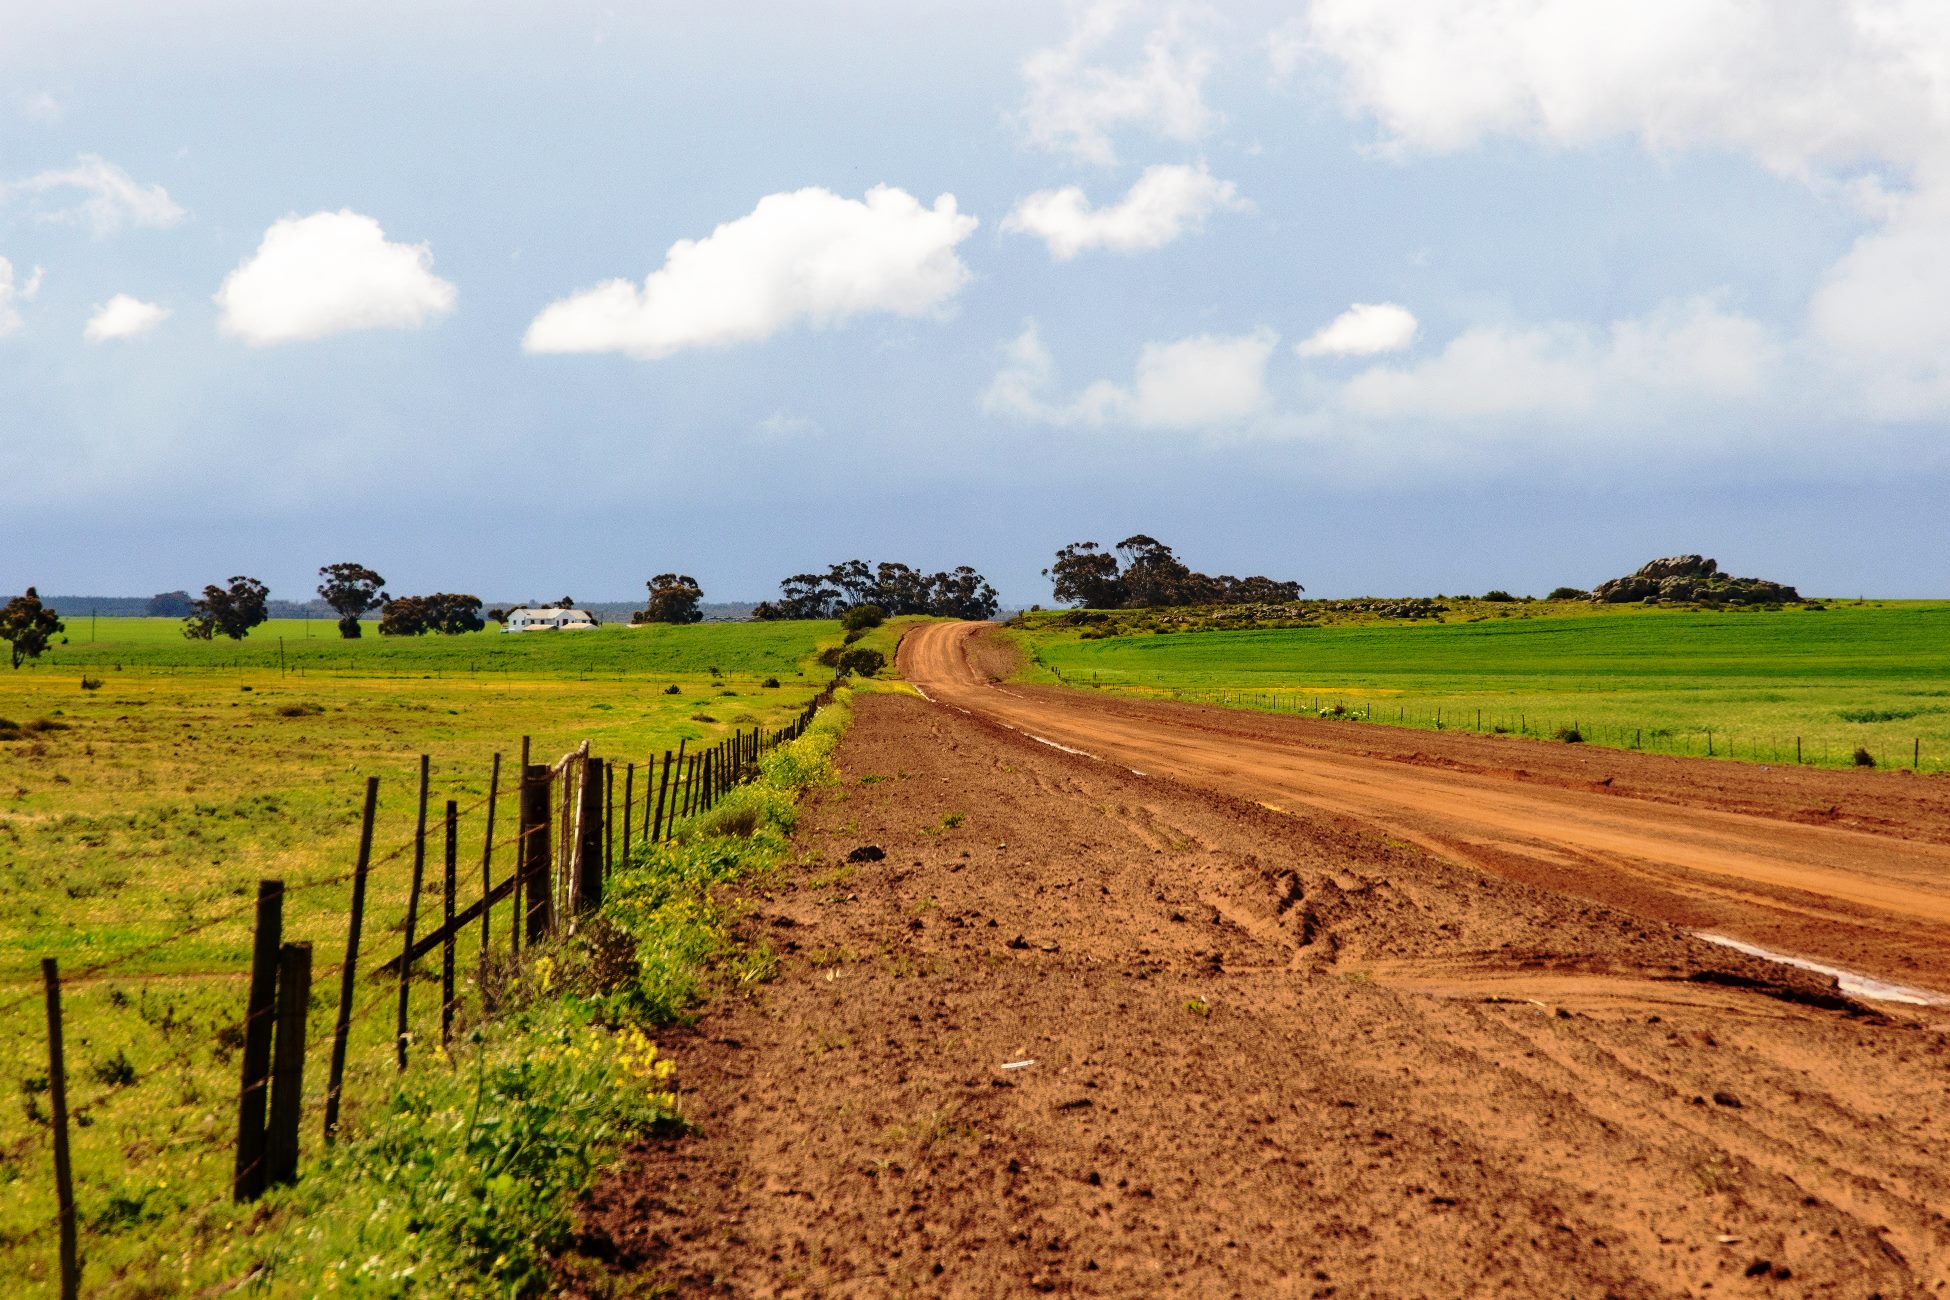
1070,1030
1849,869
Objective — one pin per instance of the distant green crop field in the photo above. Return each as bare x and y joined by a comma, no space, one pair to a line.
313,646
1874,675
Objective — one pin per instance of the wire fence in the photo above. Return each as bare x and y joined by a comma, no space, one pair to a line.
1698,741
196,1092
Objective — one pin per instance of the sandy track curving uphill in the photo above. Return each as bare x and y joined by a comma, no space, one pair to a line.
1852,870
1067,1029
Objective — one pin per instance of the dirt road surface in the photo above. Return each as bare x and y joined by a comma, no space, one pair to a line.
1850,869
1046,1026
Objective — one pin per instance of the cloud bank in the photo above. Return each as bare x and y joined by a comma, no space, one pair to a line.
1167,201
805,256
1801,85
1689,353
1203,382
330,273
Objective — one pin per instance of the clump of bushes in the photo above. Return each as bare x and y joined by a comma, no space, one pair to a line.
1570,735
862,617
1568,593
861,662
1863,758
1499,596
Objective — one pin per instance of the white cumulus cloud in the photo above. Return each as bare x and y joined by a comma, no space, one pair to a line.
1073,104
1203,382
1166,202
1683,354
330,273
106,198
124,317
808,255
1363,330
13,292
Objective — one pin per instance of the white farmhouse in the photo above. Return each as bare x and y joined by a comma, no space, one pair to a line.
549,618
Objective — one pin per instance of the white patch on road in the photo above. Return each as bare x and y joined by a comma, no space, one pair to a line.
1854,984
1081,753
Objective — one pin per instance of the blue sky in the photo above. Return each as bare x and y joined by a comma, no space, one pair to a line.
1383,295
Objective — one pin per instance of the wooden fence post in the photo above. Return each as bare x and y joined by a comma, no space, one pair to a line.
609,816
57,1083
594,827
288,1067
412,918
450,881
536,846
521,848
349,972
249,1181
663,788
629,805
677,796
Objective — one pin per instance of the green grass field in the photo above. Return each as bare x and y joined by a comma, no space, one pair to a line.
157,799
1874,675
314,646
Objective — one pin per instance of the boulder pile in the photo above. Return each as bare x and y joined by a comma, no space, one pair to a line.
1681,578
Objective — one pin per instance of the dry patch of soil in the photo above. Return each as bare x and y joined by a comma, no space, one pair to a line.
1267,1055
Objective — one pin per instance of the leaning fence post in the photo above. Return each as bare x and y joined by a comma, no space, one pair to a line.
349,972
663,788
288,1068
449,882
487,859
677,794
412,916
535,846
521,850
57,1083
249,1181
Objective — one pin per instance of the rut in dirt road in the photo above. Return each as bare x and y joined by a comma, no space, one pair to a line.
1711,846
1268,1055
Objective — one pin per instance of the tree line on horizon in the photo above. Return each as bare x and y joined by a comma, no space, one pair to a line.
891,587
1141,572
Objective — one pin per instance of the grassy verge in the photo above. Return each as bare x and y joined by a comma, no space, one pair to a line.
464,1178
1746,683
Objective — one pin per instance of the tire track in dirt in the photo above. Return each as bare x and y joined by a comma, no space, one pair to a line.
1724,847
1273,1055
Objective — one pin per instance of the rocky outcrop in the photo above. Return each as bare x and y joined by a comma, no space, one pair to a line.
1691,578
